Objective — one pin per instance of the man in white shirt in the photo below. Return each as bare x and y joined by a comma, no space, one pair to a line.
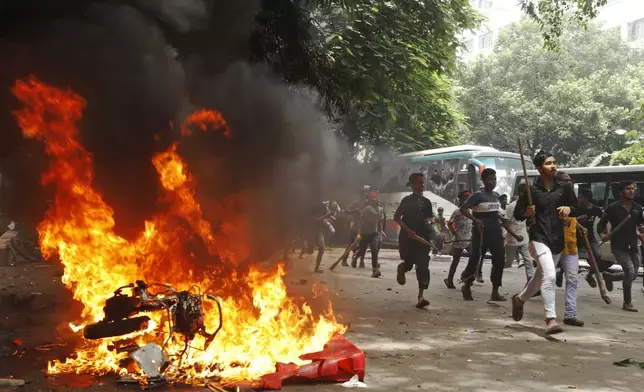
512,246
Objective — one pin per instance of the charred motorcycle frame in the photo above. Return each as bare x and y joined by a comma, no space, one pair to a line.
184,310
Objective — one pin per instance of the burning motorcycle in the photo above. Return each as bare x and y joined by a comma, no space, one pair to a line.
184,310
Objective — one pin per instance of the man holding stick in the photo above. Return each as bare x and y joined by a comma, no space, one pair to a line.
624,216
590,213
413,215
552,201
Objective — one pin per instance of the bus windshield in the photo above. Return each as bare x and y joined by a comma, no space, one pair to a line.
506,172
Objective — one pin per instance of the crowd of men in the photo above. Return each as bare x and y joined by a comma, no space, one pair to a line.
547,224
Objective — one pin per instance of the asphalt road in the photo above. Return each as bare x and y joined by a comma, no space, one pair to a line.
451,346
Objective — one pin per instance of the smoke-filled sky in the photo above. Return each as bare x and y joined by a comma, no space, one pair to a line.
143,64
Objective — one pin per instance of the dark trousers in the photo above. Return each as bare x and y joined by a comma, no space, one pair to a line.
372,241
417,255
630,261
493,244
456,258
602,264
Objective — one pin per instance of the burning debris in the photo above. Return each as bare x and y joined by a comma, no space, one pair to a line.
184,313
262,325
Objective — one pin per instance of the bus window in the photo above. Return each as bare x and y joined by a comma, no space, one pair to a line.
442,179
506,172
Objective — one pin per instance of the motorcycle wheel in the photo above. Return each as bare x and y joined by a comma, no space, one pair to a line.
110,329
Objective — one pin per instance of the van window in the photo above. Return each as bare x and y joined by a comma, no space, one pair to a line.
597,188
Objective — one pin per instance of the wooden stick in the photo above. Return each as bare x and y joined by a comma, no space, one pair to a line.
525,174
593,264
613,231
424,241
346,252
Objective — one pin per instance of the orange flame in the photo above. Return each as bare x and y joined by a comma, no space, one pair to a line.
262,325
204,120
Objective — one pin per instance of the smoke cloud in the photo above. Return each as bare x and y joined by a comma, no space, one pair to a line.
143,66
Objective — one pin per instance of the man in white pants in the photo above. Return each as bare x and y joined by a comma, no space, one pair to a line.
512,246
552,201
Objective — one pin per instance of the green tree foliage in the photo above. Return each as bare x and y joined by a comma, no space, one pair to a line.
552,15
382,67
569,101
634,153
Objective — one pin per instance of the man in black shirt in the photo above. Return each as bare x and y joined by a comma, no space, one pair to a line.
552,202
486,235
413,215
590,214
623,239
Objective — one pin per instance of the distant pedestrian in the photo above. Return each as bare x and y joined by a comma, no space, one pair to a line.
371,233
514,247
461,227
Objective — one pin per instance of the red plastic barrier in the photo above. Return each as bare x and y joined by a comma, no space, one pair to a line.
337,362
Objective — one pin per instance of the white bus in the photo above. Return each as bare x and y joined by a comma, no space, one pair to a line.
448,171
602,181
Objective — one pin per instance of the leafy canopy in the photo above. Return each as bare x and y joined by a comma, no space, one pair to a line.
569,102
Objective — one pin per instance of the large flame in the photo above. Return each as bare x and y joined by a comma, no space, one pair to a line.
262,325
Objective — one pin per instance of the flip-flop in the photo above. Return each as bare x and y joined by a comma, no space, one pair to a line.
400,276
422,304
555,329
517,308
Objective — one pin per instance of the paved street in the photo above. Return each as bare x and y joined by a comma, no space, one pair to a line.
451,346
476,346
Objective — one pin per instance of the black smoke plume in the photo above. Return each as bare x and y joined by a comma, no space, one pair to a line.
143,65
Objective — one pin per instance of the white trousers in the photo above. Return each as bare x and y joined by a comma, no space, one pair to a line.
543,279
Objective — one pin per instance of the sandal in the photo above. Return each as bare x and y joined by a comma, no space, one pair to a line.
553,327
400,276
422,304
517,308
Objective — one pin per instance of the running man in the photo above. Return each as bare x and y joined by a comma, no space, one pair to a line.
590,213
461,227
514,247
552,201
570,263
371,232
486,235
413,215
623,240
